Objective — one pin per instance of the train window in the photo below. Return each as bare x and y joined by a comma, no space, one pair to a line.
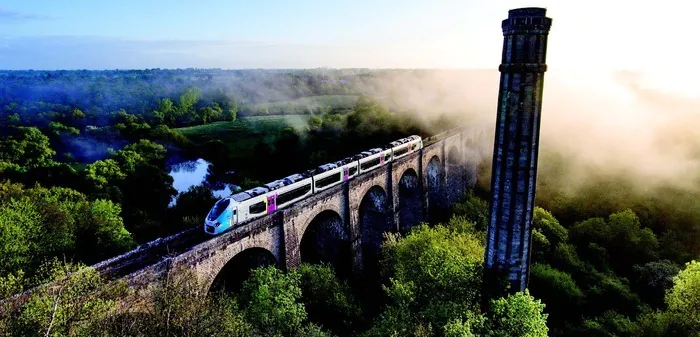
293,194
352,170
400,152
258,208
370,164
218,208
333,178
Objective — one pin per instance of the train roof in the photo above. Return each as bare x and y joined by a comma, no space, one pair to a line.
294,178
242,196
275,184
254,192
326,167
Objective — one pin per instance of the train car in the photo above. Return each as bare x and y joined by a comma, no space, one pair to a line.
329,175
374,158
296,187
406,146
254,203
238,208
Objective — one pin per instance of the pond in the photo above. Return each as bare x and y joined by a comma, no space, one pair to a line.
195,173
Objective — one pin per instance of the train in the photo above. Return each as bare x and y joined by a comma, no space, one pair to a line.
237,209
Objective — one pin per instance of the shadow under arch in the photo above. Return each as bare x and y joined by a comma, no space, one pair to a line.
434,172
231,277
410,200
374,222
455,174
326,240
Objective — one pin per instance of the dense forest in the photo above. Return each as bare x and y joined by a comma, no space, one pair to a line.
84,159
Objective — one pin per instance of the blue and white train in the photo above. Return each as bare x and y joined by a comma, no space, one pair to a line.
242,207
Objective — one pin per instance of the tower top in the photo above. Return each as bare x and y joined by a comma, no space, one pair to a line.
527,11
528,20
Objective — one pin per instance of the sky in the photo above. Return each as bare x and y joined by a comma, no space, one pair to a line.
586,36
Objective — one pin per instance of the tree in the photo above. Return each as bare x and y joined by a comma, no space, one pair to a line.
684,297
518,315
434,278
104,173
101,232
26,147
549,226
182,308
272,301
653,279
151,151
558,290
187,101
76,300
20,228
328,301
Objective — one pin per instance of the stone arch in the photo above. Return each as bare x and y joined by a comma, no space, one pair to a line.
230,278
435,187
326,239
374,221
410,204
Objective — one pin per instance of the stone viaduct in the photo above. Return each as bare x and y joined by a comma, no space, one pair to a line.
343,225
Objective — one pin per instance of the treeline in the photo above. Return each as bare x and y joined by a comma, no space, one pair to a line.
97,93
430,285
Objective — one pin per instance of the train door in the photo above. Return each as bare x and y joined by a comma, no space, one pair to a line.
234,216
271,203
346,173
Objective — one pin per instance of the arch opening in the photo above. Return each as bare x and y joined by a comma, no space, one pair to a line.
410,205
455,174
327,240
435,188
231,277
374,222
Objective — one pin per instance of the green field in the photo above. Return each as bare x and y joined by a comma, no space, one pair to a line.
307,104
241,135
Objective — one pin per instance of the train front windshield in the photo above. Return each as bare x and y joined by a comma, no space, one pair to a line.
218,208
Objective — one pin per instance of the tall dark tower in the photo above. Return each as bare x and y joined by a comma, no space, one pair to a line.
516,144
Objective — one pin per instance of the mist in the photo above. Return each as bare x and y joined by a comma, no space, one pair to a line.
613,124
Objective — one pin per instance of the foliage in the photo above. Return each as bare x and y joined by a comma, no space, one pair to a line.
182,309
72,306
329,302
653,279
272,301
435,276
517,315
474,209
684,297
26,147
39,223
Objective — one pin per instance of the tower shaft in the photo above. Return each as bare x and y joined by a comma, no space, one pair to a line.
515,151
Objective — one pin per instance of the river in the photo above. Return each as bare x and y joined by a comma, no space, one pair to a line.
194,173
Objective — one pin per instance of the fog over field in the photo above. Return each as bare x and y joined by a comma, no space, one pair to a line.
609,122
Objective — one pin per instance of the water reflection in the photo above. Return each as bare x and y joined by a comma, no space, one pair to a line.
197,172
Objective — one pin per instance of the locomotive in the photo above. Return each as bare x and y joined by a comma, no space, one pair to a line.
242,207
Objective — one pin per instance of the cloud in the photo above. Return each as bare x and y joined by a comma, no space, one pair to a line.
15,17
